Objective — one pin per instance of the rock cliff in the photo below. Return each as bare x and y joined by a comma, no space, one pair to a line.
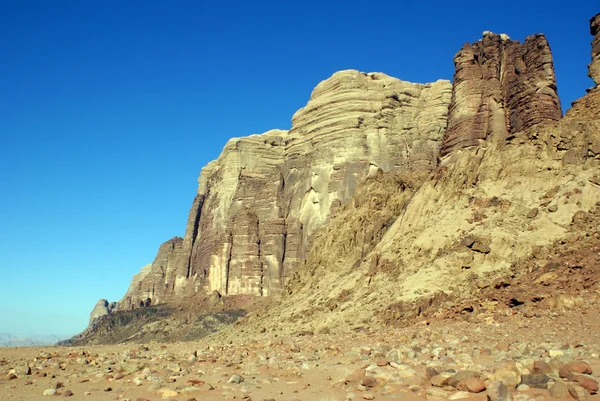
500,87
386,196
259,204
594,67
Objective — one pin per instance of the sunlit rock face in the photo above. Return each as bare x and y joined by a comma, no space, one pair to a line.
594,67
500,87
259,204
103,307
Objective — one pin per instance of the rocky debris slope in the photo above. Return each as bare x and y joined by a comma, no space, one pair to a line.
500,87
190,319
260,203
594,67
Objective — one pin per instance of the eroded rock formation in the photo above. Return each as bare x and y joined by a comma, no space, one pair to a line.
594,67
500,87
259,204
357,177
103,307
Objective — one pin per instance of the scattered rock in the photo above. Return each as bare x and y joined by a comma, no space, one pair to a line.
578,392
535,380
472,385
356,376
498,392
574,367
235,379
558,389
508,377
587,382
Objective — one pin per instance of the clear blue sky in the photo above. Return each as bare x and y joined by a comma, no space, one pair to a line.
109,109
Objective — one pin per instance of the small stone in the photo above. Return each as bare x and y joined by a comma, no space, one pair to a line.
508,377
587,382
167,393
472,385
535,380
553,353
49,391
459,395
68,393
552,208
368,381
574,367
235,379
533,213
11,376
108,389
558,389
441,380
579,217
461,376
498,392
27,370
368,396
430,372
356,376
578,392
541,367
482,247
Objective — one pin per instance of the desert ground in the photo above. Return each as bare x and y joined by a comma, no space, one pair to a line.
548,355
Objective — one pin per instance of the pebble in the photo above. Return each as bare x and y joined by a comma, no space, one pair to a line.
235,379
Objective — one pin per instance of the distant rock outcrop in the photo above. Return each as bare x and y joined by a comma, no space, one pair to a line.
594,67
103,307
500,87
259,204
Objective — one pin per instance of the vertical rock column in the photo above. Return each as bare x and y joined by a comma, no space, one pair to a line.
500,87
594,67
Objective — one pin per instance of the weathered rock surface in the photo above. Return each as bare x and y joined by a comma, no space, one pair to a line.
103,307
594,67
500,87
259,204
350,212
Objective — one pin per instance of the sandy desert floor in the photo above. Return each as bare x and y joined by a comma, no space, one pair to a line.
549,357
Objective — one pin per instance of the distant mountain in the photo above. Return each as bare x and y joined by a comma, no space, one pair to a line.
10,340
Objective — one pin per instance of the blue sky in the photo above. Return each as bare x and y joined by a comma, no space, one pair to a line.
109,109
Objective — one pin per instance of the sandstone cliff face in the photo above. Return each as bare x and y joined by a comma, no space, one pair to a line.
594,67
351,213
258,205
500,87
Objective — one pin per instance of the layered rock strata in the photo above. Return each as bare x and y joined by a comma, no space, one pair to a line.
258,205
500,87
594,67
